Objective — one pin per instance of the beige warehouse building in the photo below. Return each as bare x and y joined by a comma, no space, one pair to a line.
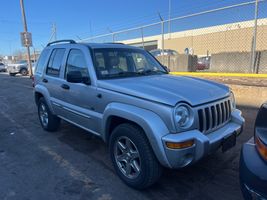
234,37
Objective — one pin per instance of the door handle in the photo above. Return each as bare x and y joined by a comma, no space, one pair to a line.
45,80
66,87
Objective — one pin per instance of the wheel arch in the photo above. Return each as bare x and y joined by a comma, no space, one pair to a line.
23,68
41,91
152,125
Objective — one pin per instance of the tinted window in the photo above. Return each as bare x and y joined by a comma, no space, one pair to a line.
76,62
55,61
41,61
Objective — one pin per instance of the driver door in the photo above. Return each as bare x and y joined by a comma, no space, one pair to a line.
79,98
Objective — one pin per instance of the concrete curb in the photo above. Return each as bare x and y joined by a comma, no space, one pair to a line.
220,74
249,95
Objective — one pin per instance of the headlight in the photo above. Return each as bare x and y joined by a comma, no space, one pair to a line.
183,116
232,99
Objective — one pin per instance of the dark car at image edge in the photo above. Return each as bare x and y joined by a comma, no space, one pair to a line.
253,160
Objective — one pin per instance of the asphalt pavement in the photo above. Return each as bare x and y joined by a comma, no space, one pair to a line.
73,164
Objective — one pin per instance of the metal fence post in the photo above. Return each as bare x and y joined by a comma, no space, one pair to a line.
113,37
142,33
254,38
169,22
162,42
162,37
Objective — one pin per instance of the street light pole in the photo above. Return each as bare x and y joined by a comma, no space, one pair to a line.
26,30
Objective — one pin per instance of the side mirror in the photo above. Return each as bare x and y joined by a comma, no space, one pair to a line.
76,77
166,68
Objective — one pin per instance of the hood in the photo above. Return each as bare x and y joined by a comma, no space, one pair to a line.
16,65
168,89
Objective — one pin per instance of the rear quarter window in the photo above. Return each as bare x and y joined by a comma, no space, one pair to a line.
42,61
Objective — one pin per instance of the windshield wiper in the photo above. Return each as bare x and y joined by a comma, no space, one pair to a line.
149,71
126,73
122,74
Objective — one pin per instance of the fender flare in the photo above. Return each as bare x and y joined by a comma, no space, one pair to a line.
150,122
44,92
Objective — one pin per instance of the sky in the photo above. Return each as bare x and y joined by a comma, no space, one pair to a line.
84,18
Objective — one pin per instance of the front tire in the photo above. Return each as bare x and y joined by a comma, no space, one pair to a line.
48,121
24,72
132,156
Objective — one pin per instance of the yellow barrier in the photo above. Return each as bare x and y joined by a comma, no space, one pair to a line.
219,74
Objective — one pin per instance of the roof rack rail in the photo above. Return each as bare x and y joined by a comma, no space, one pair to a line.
60,41
113,43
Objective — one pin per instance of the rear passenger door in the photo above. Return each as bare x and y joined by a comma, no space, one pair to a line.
53,78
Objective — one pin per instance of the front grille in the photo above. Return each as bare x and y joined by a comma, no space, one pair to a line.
214,116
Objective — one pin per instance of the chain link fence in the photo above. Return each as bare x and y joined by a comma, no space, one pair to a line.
232,39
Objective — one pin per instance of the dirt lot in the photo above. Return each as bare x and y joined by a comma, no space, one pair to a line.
72,164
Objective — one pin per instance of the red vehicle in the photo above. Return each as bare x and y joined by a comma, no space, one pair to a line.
203,63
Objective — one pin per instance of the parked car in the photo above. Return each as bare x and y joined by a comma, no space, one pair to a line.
2,67
122,94
160,52
253,160
203,63
20,67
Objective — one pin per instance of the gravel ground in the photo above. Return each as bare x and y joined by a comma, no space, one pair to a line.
72,164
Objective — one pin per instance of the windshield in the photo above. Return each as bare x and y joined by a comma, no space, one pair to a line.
119,63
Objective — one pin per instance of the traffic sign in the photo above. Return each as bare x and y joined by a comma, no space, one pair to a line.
26,39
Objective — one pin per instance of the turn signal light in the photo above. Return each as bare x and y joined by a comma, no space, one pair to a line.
180,145
262,148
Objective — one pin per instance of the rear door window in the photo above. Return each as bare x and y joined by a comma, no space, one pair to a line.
55,61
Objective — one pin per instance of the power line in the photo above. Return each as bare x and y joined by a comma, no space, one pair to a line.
138,21
177,18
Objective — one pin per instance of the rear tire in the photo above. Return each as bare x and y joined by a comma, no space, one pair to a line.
48,121
149,168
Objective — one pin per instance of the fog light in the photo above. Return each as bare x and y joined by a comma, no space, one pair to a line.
180,145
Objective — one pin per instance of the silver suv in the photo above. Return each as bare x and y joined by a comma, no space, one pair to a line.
122,94
20,67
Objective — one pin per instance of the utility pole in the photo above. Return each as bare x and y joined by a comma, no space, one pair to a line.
54,30
26,30
53,36
254,42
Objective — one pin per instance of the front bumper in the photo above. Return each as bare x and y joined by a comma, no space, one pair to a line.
203,144
253,173
12,69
